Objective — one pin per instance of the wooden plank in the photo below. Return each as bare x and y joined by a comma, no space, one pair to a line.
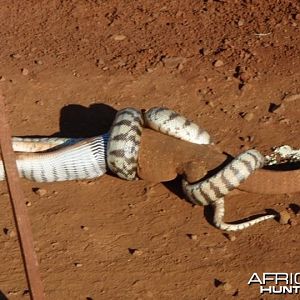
19,208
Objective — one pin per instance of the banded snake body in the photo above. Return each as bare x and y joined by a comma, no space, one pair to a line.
61,159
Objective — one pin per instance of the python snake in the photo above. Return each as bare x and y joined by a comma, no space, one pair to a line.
60,159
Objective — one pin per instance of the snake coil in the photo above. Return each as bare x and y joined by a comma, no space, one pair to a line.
123,147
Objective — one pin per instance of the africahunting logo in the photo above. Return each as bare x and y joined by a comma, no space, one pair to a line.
277,283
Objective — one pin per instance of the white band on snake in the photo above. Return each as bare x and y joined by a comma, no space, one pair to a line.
60,159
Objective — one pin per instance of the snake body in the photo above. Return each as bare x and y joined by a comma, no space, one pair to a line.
124,142
171,123
59,159
23,144
85,159
213,190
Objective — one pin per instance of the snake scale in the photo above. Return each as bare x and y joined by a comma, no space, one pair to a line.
60,159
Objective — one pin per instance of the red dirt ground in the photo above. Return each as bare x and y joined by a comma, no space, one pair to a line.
65,67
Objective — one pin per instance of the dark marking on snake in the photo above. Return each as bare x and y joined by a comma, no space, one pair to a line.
216,189
118,153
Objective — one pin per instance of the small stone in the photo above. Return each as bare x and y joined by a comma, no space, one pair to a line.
174,62
39,192
138,252
266,119
230,237
85,228
76,74
248,116
293,222
134,251
13,292
149,70
227,286
2,78
218,63
119,37
28,203
11,233
180,67
276,108
241,22
204,51
38,62
15,55
100,62
39,102
25,71
229,290
250,138
210,103
243,87
192,236
245,76
284,217
285,121
90,182
78,265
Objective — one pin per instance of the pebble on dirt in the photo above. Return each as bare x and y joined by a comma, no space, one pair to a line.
25,71
210,103
174,62
293,222
192,236
40,192
15,55
204,51
134,251
119,37
247,116
276,108
218,63
9,232
241,22
230,237
78,265
229,290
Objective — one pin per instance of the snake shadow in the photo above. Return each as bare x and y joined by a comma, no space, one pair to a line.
2,296
80,121
175,187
